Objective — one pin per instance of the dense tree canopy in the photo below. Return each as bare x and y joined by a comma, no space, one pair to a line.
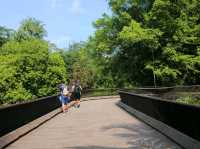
29,69
152,42
143,43
5,35
30,28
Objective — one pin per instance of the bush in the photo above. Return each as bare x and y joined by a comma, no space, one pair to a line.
189,100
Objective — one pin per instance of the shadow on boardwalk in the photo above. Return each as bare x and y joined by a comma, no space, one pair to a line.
138,136
142,136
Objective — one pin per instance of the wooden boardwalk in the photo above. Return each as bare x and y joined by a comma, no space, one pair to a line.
98,124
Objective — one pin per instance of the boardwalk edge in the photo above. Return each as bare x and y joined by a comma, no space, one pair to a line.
178,137
21,131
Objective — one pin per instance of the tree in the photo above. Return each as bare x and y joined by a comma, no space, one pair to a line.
80,64
150,42
5,35
29,70
30,28
54,75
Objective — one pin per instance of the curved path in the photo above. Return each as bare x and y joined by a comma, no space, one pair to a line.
98,124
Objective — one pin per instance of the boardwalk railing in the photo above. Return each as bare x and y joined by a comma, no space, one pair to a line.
169,93
156,112
14,116
17,115
100,92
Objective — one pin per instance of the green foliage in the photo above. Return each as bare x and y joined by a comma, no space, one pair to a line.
5,35
189,100
29,70
17,94
151,41
101,92
30,28
55,74
80,65
29,66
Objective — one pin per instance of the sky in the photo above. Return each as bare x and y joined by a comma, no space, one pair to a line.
66,21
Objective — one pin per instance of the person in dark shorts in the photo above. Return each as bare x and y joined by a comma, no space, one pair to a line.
77,93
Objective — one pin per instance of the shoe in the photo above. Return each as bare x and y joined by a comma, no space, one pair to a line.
65,111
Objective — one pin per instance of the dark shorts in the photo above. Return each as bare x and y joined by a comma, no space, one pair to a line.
77,96
72,98
64,99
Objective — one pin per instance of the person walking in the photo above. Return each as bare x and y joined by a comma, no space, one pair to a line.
63,97
77,93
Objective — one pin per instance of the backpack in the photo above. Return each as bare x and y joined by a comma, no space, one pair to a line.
77,89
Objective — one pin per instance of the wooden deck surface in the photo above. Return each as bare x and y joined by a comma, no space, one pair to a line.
98,124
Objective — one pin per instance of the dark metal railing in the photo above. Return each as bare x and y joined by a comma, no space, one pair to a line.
14,116
182,117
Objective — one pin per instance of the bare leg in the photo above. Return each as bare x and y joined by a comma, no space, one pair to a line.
65,108
72,103
78,103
